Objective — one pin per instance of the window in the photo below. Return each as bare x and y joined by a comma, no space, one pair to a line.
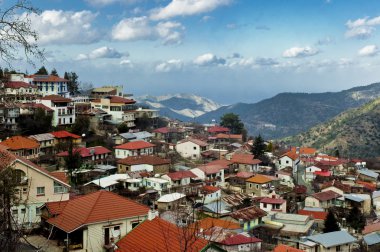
58,188
287,161
38,211
134,224
265,205
337,248
23,210
15,211
40,191
257,186
194,147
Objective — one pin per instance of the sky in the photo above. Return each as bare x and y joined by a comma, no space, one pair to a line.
227,50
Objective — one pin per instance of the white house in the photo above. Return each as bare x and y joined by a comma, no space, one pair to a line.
285,178
170,201
157,184
179,178
289,159
191,148
273,204
64,111
135,148
211,174
210,194
50,84
109,183
309,172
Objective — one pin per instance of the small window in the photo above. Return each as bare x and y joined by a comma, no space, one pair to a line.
40,191
38,211
257,186
15,211
287,161
134,224
265,205
194,147
23,211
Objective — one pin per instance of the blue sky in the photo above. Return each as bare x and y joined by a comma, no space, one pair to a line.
227,50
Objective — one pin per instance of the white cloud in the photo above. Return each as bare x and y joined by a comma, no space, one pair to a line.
102,52
369,50
362,28
186,8
126,62
140,28
209,59
206,18
300,52
169,66
266,62
65,27
108,2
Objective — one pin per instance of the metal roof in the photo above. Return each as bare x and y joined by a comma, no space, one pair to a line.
372,239
171,197
369,173
42,137
333,239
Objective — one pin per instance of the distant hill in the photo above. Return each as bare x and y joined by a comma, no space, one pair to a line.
355,133
287,114
184,107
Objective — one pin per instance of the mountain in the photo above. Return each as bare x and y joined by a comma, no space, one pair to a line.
355,133
184,107
288,114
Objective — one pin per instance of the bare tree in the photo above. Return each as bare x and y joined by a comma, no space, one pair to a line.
16,33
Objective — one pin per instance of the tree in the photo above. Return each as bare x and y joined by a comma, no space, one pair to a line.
72,84
258,147
355,219
54,72
17,33
81,125
73,161
232,121
336,153
42,71
269,147
39,122
122,128
330,223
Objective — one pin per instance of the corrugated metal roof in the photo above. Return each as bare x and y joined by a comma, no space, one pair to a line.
369,173
372,239
333,239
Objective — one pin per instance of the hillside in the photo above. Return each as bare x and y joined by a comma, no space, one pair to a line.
355,133
288,114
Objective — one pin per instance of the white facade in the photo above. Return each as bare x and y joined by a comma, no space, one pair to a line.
123,153
211,197
64,113
156,184
189,149
286,161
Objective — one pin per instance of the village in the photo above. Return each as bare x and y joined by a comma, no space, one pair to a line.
133,181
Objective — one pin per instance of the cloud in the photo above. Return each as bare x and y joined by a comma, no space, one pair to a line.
300,52
169,66
266,62
101,3
102,52
140,28
126,62
206,19
65,27
325,41
362,28
209,59
262,27
368,51
186,8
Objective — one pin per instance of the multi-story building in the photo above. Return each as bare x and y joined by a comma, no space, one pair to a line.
50,85
22,146
64,112
9,113
19,91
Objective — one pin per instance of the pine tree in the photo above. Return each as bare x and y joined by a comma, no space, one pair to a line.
258,147
73,84
42,71
54,72
355,219
232,121
330,223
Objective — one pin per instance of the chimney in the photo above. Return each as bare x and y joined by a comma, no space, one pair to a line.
152,214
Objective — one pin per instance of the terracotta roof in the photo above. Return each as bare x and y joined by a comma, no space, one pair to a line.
19,143
210,222
136,145
211,169
180,175
55,208
272,201
374,227
292,155
327,195
46,78
259,179
144,159
245,174
368,185
222,162
36,106
336,183
304,150
209,189
64,134
195,141
315,214
56,98
323,173
18,84
165,130
239,239
248,213
160,235
60,175
100,206
218,129
118,99
229,136
285,248
86,152
245,159
6,158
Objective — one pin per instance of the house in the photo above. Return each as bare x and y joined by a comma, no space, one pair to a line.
159,235
209,194
20,91
285,248
214,130
318,214
290,159
361,201
169,134
46,141
372,241
64,137
64,111
108,183
22,146
250,217
136,148
149,163
107,91
171,201
36,186
240,242
245,162
259,185
376,202
273,204
336,186
323,200
90,221
216,209
9,114
285,178
50,85
179,178
368,175
191,148
332,241
91,155
210,174
157,184
120,109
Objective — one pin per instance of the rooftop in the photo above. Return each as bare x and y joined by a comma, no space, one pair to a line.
86,152
134,145
259,179
144,159
210,222
245,159
64,134
19,143
326,195
332,239
248,213
171,197
180,175
56,98
239,239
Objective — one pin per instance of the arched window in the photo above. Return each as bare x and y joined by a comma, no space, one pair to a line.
20,176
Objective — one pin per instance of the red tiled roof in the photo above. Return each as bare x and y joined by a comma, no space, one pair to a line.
248,213
222,162
86,152
211,169
272,201
18,84
304,150
285,248
292,155
19,143
60,175
55,208
229,136
118,99
210,189
165,130
323,173
239,239
327,195
245,159
36,106
218,129
245,174
160,235
64,134
371,228
144,159
370,186
56,98
100,206
336,183
134,145
210,222
315,214
6,158
46,78
259,179
180,175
